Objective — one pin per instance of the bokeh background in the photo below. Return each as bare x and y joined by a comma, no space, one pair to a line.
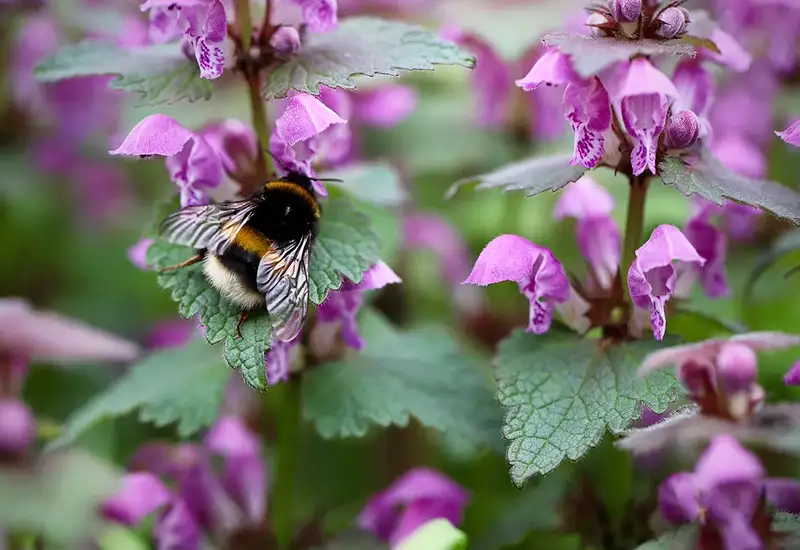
69,215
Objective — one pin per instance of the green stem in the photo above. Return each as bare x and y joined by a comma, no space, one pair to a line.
245,23
285,401
259,116
634,226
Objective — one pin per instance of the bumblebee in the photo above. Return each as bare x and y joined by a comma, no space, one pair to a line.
255,251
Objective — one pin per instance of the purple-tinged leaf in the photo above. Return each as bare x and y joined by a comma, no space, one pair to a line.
591,55
534,176
709,178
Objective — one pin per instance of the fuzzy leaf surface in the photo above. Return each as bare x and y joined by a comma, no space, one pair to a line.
710,179
561,393
361,46
399,375
184,386
190,289
346,246
590,55
534,176
56,497
157,74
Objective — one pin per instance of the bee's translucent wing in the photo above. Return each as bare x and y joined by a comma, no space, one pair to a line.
211,226
283,278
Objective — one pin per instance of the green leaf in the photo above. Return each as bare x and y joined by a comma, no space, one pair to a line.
190,289
788,528
437,534
684,538
354,540
361,46
785,244
562,392
376,183
534,176
590,55
158,74
423,371
184,386
710,179
57,496
346,246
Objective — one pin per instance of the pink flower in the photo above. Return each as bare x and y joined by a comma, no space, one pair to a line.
385,106
429,231
319,15
652,277
644,96
279,359
553,68
342,306
416,498
540,276
712,245
137,254
599,238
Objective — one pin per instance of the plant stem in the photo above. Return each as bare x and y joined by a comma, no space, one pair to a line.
634,226
245,22
285,401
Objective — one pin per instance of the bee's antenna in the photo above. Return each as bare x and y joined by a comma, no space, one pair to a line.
277,160
327,179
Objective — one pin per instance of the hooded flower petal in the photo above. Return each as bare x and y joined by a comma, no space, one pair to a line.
155,135
541,278
430,231
677,498
141,494
742,156
137,254
319,15
588,110
792,134
600,242
652,277
46,336
385,106
278,360
171,333
422,495
731,53
491,81
235,143
695,86
177,529
545,111
552,69
343,305
195,169
712,245
583,199
641,77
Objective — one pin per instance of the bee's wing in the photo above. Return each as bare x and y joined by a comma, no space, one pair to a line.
211,226
283,278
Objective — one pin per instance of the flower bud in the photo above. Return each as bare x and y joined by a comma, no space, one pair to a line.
682,130
672,22
626,11
16,427
697,377
737,367
597,23
285,41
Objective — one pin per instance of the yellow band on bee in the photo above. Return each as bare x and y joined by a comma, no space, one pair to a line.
290,187
252,240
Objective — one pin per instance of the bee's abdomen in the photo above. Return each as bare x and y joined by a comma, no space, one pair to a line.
231,280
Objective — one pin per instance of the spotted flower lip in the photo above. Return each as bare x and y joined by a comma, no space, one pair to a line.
416,498
540,276
652,277
792,134
588,110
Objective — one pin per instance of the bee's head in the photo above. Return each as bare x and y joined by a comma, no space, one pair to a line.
298,178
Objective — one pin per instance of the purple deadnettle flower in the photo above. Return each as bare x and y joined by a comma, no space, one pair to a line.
342,306
682,130
319,15
644,96
203,499
304,118
170,333
553,68
385,106
672,22
724,493
599,237
712,245
792,134
17,427
491,79
279,359
285,40
652,277
137,254
588,110
695,87
416,498
432,232
540,276
203,24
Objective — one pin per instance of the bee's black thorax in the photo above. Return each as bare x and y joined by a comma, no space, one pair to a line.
286,213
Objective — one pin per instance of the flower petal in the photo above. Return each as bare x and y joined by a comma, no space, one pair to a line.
17,427
552,69
583,199
230,437
792,134
304,117
642,78
177,529
677,498
695,86
140,495
792,376
278,360
588,111
385,106
712,245
644,117
432,232
665,245
600,242
155,135
319,15
725,461
505,258
378,276
137,254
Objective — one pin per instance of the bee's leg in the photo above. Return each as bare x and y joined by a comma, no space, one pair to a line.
242,319
191,261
